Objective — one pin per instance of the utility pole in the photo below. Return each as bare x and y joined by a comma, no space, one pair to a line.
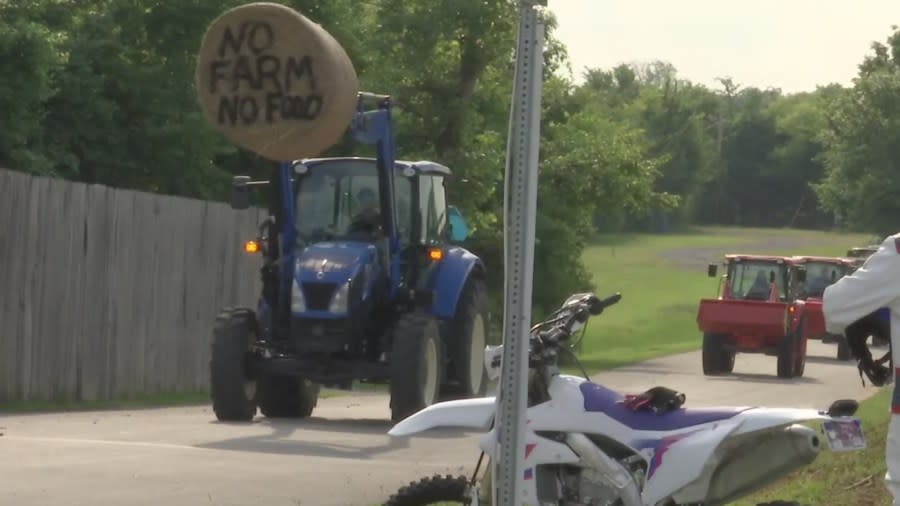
520,216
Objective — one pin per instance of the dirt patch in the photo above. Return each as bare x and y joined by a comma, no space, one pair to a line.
699,257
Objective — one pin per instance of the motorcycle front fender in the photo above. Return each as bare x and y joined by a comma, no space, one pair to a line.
468,413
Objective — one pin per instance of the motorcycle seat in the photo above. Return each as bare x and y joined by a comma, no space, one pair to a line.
599,399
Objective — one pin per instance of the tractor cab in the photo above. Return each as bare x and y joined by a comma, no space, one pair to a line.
351,220
755,277
821,272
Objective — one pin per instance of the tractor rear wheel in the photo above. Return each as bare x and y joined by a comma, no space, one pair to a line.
416,370
716,358
232,389
287,396
465,339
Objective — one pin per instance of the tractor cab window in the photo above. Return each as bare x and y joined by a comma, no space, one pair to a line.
403,194
750,280
339,200
432,209
819,275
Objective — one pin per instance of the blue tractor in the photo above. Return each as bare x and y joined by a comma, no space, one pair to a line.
362,280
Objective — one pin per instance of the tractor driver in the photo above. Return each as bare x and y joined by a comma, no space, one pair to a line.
867,302
367,220
760,289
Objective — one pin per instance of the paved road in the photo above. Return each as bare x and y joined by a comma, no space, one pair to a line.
182,456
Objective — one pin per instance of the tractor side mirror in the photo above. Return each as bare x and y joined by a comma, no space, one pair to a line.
240,193
459,229
712,270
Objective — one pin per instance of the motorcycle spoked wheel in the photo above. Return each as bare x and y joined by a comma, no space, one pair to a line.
437,490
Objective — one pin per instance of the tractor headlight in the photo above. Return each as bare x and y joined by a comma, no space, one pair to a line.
340,298
298,302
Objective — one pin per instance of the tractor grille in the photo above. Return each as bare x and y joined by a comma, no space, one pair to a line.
322,336
318,295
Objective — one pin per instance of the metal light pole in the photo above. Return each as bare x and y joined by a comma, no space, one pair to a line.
520,199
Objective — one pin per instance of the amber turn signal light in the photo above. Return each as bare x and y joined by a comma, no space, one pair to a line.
436,254
251,247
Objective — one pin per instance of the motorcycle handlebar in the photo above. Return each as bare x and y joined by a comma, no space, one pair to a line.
579,309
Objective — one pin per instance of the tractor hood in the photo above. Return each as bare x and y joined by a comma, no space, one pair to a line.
333,262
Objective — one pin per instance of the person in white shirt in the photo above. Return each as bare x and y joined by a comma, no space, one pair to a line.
867,303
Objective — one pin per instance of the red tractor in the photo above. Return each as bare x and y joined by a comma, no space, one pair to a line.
755,312
820,272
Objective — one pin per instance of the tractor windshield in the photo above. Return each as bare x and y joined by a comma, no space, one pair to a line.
819,275
339,199
751,280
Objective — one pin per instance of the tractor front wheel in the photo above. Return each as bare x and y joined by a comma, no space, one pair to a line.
232,389
792,352
716,358
416,370
287,396
466,337
800,358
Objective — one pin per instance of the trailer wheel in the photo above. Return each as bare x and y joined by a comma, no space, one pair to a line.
416,370
716,359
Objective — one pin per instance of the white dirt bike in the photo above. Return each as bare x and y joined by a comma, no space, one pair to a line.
588,445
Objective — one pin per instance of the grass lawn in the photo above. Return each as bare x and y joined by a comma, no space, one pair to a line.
146,401
663,277
837,478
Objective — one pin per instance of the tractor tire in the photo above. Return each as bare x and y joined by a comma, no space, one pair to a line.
716,359
800,357
287,396
432,490
232,391
465,339
792,353
843,349
416,365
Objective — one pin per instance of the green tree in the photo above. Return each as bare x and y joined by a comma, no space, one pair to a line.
862,144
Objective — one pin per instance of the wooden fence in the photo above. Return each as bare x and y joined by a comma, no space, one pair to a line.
111,294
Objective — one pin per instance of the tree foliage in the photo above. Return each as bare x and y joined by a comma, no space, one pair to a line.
101,91
862,144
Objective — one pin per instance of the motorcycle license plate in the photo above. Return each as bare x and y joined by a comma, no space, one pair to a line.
844,435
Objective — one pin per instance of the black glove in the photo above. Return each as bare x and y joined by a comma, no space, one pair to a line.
857,333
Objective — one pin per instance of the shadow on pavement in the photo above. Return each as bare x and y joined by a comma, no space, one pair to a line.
816,359
302,437
763,378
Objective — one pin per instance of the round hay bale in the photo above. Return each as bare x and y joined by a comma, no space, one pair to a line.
274,82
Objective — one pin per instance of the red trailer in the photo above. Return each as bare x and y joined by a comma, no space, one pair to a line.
755,312
820,273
